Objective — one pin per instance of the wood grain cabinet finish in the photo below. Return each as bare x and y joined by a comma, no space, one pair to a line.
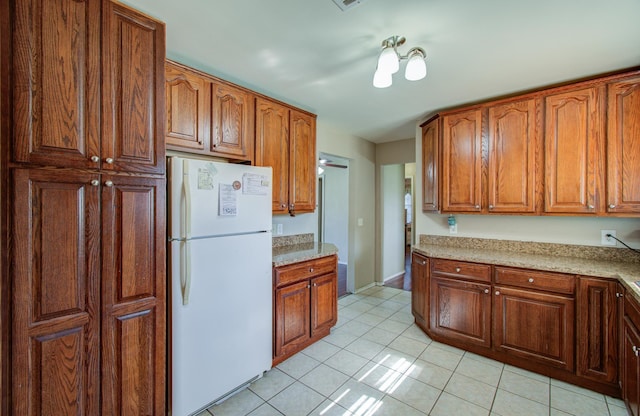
232,122
286,141
623,151
188,104
630,376
462,161
305,304
420,290
574,122
430,165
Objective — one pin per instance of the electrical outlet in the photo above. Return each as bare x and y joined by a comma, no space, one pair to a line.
278,229
607,241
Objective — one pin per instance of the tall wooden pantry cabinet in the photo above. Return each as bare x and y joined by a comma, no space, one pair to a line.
83,209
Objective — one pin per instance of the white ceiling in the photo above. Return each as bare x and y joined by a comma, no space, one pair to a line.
312,55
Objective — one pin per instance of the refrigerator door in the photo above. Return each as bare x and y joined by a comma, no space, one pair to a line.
223,337
212,198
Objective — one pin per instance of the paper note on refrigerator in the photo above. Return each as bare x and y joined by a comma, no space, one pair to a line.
254,184
227,200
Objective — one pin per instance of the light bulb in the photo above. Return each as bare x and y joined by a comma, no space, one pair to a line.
382,79
389,61
416,66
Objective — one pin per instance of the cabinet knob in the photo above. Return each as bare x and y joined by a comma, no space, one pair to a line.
531,280
424,263
308,286
590,206
108,183
95,159
457,269
636,351
283,206
619,295
310,269
490,206
109,160
477,207
95,182
497,293
486,291
315,284
612,206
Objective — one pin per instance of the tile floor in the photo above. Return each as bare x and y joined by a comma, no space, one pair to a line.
377,362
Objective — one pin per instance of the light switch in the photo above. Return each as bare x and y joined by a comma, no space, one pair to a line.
360,222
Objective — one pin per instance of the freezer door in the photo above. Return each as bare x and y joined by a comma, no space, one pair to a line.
212,198
223,337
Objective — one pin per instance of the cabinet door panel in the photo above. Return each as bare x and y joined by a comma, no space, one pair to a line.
302,163
513,146
631,367
292,317
188,102
461,310
56,73
623,141
534,326
56,293
430,167
133,93
272,149
232,122
419,289
324,303
133,295
462,162
573,131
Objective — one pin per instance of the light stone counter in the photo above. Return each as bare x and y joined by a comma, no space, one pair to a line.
301,247
621,264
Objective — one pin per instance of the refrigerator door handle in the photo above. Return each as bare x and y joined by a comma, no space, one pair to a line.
186,190
185,275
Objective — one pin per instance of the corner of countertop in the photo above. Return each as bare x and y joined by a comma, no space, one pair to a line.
300,247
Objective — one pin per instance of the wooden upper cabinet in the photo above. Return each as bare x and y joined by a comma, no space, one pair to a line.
302,163
462,161
272,149
56,83
623,146
514,135
573,135
56,293
188,102
430,168
133,55
232,122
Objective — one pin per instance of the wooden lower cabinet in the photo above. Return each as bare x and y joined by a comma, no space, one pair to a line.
305,304
630,376
420,290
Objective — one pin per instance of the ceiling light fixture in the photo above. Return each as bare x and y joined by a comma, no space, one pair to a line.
389,62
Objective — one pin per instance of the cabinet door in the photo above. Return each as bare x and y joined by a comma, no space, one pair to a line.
419,289
272,149
188,103
324,303
623,151
597,329
232,122
513,150
631,368
56,293
461,311
56,82
573,133
133,91
302,163
133,296
292,315
462,162
534,326
430,168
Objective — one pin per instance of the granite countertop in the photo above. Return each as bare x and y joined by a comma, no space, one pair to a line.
301,247
620,264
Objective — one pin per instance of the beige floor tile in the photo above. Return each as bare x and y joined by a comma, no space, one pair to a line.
346,362
241,403
389,406
272,383
617,410
356,308
441,357
329,408
509,404
449,405
356,397
415,393
324,379
380,336
576,403
340,337
298,365
416,333
393,326
297,399
379,377
471,390
394,359
479,370
526,387
355,328
321,350
364,348
429,373
402,316
409,346
485,360
369,319
265,410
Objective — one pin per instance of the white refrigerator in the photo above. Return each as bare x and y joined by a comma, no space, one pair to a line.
220,280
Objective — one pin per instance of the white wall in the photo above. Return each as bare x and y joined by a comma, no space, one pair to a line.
336,208
300,224
392,180
550,229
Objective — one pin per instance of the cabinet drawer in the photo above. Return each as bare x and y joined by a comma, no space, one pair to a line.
462,270
304,270
552,282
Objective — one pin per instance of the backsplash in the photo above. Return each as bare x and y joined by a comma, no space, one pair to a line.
287,240
529,247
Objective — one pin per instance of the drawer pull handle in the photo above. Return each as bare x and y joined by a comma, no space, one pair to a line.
457,269
497,293
531,280
486,291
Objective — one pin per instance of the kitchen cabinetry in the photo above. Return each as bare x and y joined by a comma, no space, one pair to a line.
623,153
574,122
531,323
305,304
207,115
286,141
430,167
420,290
87,196
630,352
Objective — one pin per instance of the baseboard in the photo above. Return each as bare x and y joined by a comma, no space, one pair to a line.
394,276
